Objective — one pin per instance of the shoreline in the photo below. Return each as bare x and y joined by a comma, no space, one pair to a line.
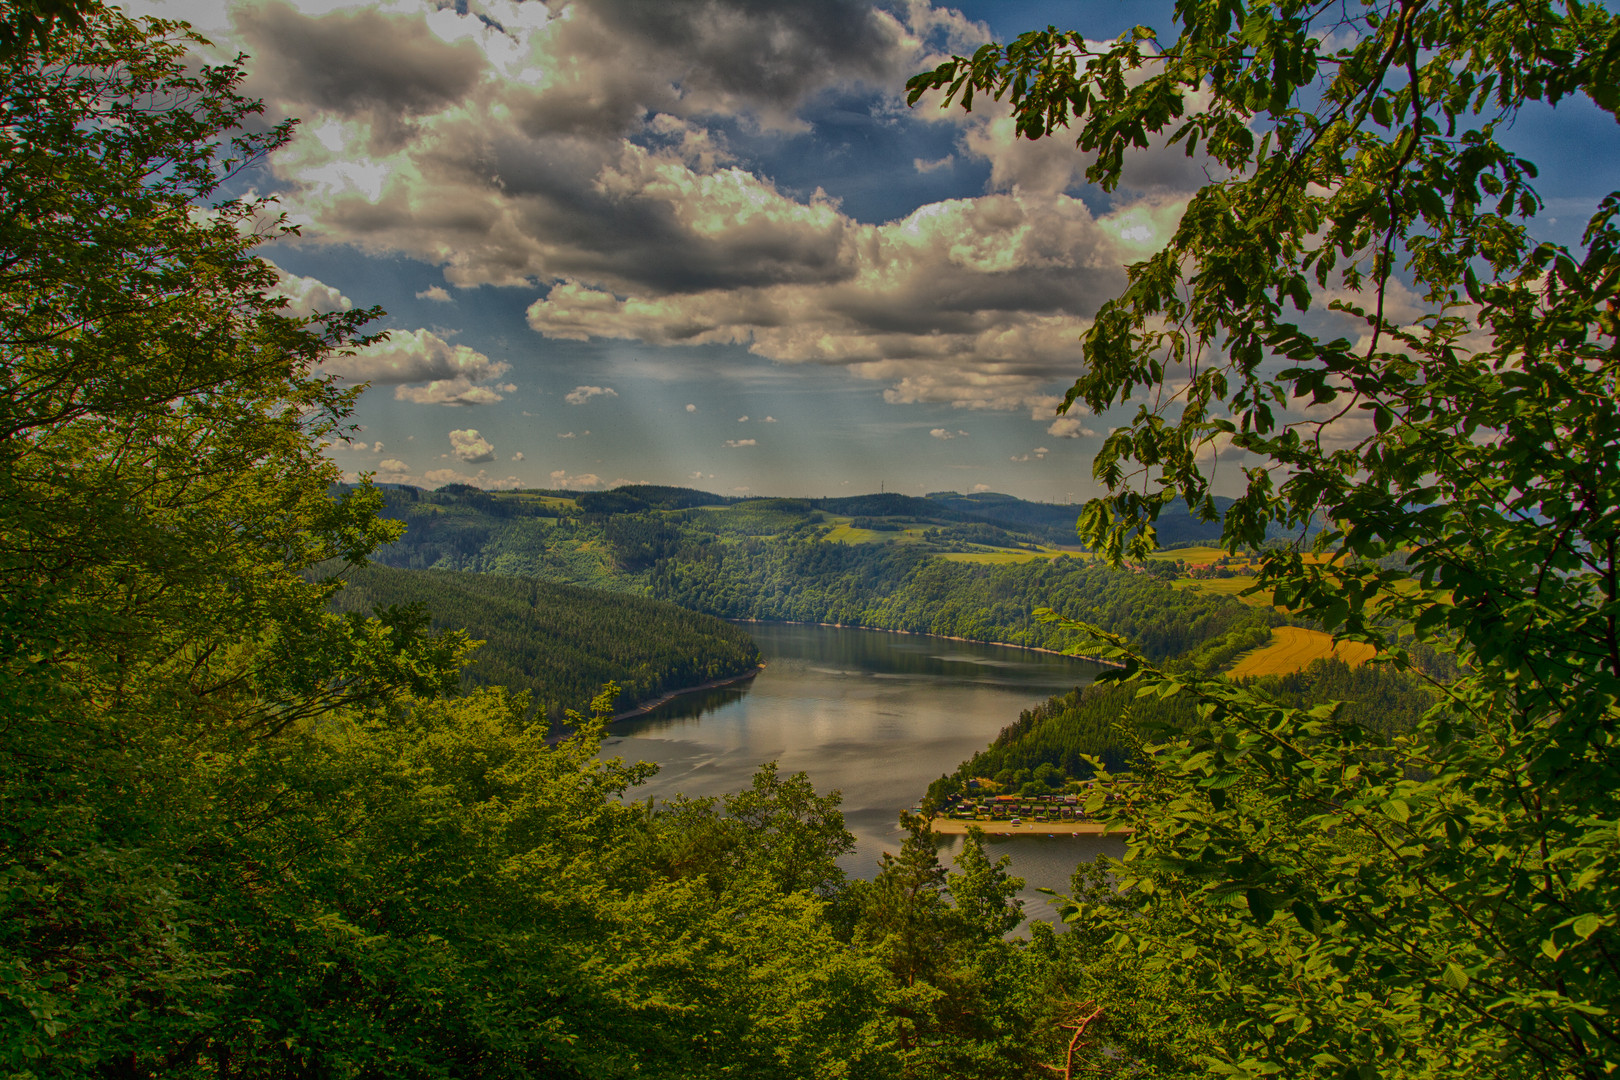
937,637
648,706
955,827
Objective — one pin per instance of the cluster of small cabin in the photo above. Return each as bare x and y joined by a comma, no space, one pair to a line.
972,807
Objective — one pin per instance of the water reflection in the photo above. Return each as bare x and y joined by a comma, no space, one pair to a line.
876,715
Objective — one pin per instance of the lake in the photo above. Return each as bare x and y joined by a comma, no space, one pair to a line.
877,715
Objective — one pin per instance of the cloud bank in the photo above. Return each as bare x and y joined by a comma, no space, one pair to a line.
581,152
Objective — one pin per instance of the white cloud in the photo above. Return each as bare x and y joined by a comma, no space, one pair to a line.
561,479
769,420
742,419
976,302
736,443
691,408
942,433
392,465
436,293
305,296
440,477
448,374
470,446
1037,454
565,435
933,166
518,456
1070,427
980,487
453,392
579,395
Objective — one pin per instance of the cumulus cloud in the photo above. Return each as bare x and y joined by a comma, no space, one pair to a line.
305,296
691,408
769,420
470,446
742,419
574,154
1049,166
1069,427
976,302
561,479
579,395
942,433
486,140
736,443
518,456
440,477
436,293
1037,454
980,487
579,151
444,374
394,471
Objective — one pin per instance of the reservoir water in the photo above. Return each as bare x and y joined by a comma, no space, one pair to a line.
876,715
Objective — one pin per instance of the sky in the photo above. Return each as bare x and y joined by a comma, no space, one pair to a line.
706,243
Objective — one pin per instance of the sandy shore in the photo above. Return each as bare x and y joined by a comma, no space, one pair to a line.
954,827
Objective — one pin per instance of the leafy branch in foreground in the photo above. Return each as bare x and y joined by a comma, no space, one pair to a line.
1439,902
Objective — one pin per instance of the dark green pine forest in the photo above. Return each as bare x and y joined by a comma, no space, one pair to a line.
263,814
560,644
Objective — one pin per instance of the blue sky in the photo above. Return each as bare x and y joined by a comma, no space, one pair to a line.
704,242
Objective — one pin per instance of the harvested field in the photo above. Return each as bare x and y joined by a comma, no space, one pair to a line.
1293,648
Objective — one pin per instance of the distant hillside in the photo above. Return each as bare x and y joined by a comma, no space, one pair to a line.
1176,525
883,561
559,642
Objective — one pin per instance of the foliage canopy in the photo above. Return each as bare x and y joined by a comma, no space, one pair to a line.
1444,899
243,835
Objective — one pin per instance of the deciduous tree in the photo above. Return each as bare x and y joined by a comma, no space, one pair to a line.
1441,902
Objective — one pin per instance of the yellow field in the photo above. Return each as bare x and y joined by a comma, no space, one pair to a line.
845,533
1190,554
1231,586
1293,648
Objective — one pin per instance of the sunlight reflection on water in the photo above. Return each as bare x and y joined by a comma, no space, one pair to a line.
878,716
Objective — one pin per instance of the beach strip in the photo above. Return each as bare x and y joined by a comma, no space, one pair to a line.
957,827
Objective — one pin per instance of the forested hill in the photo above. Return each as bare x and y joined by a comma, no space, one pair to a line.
875,564
898,588
1050,744
562,643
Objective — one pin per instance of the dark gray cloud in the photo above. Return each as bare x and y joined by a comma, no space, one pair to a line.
356,63
621,59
